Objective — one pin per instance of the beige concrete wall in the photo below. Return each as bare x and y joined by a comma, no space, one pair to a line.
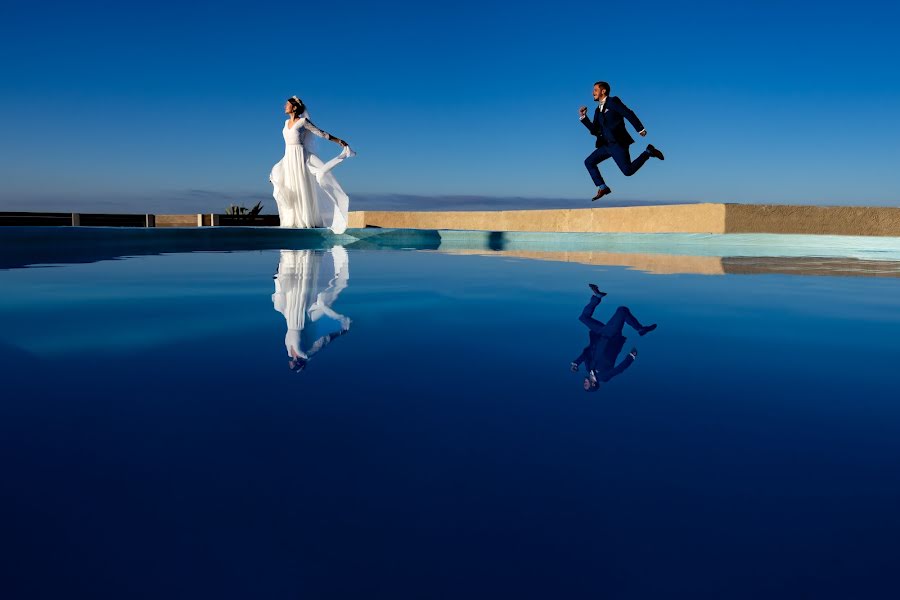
831,220
356,219
176,220
678,218
683,218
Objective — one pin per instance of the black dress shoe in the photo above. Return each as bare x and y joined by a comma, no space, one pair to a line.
601,192
645,330
596,290
652,151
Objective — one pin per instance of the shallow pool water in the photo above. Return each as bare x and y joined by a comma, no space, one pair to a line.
353,422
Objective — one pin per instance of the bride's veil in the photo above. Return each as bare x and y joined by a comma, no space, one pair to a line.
307,138
333,211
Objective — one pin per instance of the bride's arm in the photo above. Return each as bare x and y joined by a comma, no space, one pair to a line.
322,134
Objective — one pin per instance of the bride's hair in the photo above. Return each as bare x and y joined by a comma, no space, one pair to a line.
297,103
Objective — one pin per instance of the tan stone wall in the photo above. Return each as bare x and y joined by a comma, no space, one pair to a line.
830,220
678,218
357,219
176,220
683,218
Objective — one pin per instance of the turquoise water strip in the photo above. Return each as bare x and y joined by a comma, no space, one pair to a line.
94,242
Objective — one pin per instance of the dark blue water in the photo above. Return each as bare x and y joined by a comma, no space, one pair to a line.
156,443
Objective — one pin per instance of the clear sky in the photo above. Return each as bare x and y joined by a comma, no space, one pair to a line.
126,106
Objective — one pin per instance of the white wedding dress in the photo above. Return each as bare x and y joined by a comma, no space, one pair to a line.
307,284
306,192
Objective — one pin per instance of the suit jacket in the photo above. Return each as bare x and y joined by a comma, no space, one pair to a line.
609,127
600,356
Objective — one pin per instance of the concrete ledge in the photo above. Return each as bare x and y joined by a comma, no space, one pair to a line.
685,218
176,220
678,218
829,220
674,218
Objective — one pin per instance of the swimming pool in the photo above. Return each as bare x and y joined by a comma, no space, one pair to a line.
161,440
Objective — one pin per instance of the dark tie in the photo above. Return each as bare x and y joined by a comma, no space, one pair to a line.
598,123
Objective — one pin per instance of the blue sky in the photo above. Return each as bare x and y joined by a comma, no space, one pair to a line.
126,106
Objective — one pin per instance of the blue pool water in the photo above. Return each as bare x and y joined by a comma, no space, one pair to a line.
156,442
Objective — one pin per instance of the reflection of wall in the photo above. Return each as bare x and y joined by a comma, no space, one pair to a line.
842,267
684,218
668,264
660,264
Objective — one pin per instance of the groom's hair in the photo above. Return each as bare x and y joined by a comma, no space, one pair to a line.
603,86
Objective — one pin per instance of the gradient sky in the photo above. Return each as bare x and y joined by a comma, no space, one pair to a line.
126,106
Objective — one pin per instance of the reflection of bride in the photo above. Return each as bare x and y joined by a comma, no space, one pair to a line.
306,192
306,286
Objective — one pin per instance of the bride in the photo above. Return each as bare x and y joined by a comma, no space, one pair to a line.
306,192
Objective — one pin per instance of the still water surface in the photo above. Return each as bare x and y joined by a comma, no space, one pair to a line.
404,424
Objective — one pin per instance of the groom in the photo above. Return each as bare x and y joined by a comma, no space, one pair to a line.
612,137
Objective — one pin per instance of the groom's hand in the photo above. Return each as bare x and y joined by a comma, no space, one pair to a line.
643,133
582,112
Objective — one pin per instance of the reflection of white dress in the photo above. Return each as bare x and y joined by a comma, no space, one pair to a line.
306,286
306,192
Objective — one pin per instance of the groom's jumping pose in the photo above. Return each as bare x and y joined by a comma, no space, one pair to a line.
612,137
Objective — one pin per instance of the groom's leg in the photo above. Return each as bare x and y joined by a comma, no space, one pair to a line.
591,162
618,320
587,315
622,156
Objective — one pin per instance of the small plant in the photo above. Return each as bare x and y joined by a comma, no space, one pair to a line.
242,211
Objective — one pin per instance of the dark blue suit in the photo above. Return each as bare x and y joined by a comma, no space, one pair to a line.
613,139
605,341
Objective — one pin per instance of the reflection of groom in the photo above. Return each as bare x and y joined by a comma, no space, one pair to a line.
605,342
612,137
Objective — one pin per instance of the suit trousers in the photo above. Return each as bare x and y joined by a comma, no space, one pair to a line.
615,324
618,153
